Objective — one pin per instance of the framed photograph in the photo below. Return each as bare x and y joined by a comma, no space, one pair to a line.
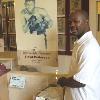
62,43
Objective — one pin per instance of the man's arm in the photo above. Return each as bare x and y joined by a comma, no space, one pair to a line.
69,82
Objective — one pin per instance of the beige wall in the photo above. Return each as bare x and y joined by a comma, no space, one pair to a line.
64,63
92,15
92,18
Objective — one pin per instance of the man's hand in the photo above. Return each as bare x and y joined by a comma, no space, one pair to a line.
62,81
69,82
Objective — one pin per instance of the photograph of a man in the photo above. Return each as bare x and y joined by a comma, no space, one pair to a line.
35,19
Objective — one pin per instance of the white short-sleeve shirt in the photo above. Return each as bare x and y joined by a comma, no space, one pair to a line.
85,68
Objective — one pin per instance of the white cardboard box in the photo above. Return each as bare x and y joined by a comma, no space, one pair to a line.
34,83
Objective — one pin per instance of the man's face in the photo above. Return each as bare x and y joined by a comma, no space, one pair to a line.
77,24
30,5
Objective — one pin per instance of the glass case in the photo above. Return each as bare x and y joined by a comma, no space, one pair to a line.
61,19
8,25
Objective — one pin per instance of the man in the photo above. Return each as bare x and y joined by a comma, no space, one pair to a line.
84,82
35,19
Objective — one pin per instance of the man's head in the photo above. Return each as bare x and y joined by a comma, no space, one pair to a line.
30,4
79,23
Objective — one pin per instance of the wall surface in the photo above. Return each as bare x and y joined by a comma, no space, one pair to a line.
92,15
64,63
93,20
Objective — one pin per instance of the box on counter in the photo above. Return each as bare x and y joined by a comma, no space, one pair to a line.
21,85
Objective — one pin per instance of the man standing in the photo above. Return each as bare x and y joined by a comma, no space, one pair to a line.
84,81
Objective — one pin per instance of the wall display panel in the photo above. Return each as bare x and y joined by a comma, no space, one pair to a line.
36,32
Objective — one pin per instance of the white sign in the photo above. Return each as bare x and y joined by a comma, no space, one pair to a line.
40,98
17,81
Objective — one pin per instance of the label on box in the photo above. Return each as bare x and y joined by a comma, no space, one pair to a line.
17,81
40,98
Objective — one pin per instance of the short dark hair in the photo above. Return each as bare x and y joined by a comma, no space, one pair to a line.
83,13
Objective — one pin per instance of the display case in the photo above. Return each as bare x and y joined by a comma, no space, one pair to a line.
62,16
61,19
8,25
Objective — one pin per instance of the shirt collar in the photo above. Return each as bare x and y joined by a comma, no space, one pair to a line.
85,36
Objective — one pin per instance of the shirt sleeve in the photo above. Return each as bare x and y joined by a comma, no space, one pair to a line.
88,63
